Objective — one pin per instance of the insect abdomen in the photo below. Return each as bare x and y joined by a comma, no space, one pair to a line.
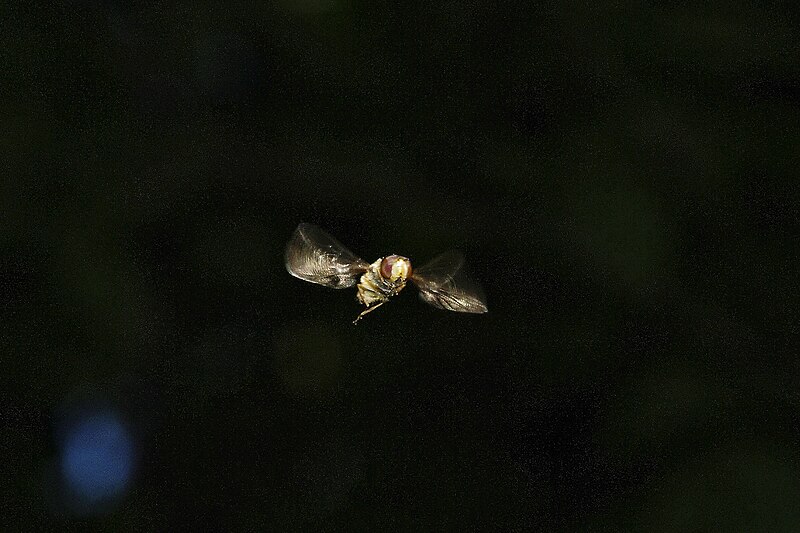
369,292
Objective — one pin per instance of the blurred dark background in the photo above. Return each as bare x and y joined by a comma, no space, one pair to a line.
622,179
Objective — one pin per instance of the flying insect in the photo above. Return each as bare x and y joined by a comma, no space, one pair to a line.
313,255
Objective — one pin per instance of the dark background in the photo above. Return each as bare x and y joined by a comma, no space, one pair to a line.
622,179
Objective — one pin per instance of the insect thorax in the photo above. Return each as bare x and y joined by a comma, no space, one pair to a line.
374,288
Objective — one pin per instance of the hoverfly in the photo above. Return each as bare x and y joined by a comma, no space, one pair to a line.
313,255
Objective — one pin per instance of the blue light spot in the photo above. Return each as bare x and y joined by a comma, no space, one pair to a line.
97,457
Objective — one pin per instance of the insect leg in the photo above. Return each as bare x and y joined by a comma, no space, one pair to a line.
368,310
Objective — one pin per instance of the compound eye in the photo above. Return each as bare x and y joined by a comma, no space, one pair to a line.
387,264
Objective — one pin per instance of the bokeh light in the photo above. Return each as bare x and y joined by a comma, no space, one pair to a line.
97,458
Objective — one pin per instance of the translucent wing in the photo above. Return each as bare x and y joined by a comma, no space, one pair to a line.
445,284
313,255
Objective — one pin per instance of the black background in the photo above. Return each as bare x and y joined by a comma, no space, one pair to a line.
622,179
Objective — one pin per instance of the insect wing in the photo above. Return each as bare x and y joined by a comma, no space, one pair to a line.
444,283
313,255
